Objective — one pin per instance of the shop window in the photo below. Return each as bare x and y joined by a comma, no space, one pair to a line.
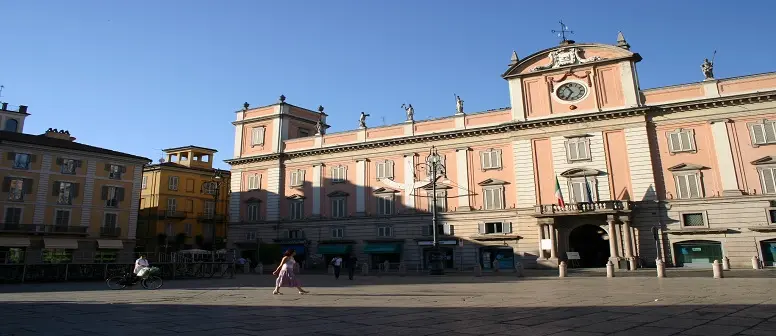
57,256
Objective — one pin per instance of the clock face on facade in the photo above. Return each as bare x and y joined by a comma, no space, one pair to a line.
571,91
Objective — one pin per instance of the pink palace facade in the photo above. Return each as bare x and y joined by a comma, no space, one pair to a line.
696,162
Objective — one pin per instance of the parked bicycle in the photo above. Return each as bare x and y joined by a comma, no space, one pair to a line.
148,279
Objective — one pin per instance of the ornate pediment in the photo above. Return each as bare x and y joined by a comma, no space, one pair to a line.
438,186
385,191
565,57
492,182
338,193
686,167
580,172
296,197
765,160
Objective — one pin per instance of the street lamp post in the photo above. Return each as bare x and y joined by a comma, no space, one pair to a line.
433,161
215,182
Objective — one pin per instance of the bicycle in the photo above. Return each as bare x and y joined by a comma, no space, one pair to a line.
149,280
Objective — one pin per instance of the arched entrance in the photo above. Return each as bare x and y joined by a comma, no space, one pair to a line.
592,243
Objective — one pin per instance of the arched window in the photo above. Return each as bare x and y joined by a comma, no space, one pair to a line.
11,125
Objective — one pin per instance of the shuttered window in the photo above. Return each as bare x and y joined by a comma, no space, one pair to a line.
681,140
763,133
491,159
768,180
257,136
688,186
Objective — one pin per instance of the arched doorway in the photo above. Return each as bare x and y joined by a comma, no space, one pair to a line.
592,243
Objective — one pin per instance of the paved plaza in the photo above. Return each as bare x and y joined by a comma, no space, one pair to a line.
421,305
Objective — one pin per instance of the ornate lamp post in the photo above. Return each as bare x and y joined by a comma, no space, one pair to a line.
434,163
213,187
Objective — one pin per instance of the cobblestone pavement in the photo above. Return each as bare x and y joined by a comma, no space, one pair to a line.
446,306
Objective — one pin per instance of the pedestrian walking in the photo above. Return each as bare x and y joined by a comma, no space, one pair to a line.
337,264
286,273
352,264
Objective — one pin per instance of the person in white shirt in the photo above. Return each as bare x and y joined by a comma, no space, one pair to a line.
337,263
140,264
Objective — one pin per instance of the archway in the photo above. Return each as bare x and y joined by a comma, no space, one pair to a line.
592,243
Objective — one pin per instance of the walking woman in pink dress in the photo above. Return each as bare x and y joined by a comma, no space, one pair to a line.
286,274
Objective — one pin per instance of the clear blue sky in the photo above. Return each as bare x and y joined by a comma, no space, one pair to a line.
139,76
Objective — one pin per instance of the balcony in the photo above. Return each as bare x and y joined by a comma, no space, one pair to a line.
586,208
110,231
171,214
44,229
209,217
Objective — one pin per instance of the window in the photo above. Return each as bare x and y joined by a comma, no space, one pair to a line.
115,171
144,183
297,178
187,228
768,180
61,217
582,190
169,231
384,169
694,219
17,187
490,159
112,196
295,234
493,198
11,125
578,149
441,200
12,255
57,256
384,231
105,257
339,174
688,186
442,229
253,182
495,228
772,216
440,167
339,207
338,233
172,183
384,205
21,160
681,140
172,206
303,132
763,132
250,236
110,221
209,188
297,209
13,216
257,136
210,209
253,212
68,166
65,192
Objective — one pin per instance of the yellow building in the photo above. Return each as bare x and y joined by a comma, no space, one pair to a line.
183,200
64,201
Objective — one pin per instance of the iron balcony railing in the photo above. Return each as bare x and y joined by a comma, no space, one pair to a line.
110,231
204,216
40,228
172,214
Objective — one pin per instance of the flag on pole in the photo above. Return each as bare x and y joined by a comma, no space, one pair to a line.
558,194
588,191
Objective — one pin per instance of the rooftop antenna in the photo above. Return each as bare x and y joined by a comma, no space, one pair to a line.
562,32
383,120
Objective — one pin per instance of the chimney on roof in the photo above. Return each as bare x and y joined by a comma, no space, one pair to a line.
59,134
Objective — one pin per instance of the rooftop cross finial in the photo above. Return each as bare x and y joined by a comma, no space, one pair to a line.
562,32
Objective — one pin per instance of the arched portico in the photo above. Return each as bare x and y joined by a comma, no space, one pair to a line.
592,244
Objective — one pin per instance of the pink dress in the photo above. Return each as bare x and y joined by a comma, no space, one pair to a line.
287,277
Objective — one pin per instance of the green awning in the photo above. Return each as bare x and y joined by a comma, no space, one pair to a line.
382,248
334,249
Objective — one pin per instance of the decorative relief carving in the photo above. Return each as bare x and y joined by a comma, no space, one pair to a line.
551,80
566,56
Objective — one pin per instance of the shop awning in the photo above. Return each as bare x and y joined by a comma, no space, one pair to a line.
334,249
299,249
14,241
58,243
382,248
111,244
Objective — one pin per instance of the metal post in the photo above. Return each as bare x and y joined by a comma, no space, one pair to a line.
436,267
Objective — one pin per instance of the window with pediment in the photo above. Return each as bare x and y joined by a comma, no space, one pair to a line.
688,180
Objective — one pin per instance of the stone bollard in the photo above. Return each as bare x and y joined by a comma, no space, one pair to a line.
402,270
609,269
365,269
519,269
725,264
716,266
562,269
632,264
756,262
260,268
661,268
478,270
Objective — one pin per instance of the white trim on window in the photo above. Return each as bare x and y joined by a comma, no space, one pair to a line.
296,211
704,217
338,232
493,197
762,132
767,179
257,136
339,174
385,231
254,182
339,207
172,182
688,185
490,159
385,204
681,140
297,178
578,149
384,169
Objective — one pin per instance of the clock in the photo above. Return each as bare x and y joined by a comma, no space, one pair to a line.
571,91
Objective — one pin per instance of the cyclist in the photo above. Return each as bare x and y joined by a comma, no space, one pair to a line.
140,264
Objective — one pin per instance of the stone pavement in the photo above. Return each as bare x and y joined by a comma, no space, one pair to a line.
446,306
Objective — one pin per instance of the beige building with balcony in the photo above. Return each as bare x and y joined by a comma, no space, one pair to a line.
62,200
583,166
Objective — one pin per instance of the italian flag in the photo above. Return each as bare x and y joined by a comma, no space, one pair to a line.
558,194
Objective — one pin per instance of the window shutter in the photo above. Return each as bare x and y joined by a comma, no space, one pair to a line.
74,189
673,142
507,227
582,148
6,184
60,161
571,150
485,160
577,192
481,228
104,193
11,156
694,188
684,137
498,195
497,159
758,134
446,229
27,186
55,190
301,177
389,168
770,131
769,180
681,186
120,194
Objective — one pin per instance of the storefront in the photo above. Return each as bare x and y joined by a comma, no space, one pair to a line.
697,253
447,249
768,248
501,257
329,251
380,252
299,246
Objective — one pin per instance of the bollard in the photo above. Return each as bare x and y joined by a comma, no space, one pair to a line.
365,269
632,264
756,262
725,264
661,268
478,270
330,270
260,268
609,269
519,269
562,269
402,270
717,268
